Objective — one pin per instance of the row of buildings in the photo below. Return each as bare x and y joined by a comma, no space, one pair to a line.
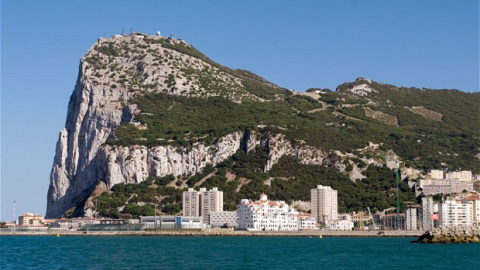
265,214
460,209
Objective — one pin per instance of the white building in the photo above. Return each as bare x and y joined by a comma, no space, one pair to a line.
451,185
474,201
454,213
324,204
427,210
73,223
343,223
224,218
172,222
212,201
463,176
200,203
306,222
30,219
411,218
266,215
191,203
466,176
436,174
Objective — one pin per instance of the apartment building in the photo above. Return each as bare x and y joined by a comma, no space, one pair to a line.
200,203
266,215
455,213
474,201
223,218
324,204
30,219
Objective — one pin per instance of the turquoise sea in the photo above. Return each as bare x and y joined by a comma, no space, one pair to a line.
137,252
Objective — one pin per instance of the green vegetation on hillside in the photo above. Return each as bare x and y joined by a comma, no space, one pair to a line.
140,199
422,142
181,120
289,181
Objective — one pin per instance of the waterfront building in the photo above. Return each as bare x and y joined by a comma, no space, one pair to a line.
171,222
30,219
191,203
266,215
212,201
343,223
200,203
426,213
72,223
223,218
306,222
454,213
411,217
324,203
474,201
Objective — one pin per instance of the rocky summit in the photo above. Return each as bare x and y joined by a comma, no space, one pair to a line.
151,116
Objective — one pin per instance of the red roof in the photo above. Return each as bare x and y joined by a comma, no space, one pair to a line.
472,198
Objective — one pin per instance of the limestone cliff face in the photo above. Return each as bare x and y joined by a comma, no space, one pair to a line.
278,146
93,112
119,164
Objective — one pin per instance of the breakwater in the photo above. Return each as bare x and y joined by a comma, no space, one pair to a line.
453,234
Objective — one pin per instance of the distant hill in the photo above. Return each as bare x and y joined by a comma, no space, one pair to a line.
151,116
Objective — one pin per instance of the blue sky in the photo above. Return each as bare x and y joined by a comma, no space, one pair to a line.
295,44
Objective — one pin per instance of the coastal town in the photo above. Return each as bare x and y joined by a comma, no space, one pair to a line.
447,199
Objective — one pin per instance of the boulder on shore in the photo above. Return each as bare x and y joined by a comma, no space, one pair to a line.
451,234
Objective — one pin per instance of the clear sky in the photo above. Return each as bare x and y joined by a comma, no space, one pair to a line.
295,44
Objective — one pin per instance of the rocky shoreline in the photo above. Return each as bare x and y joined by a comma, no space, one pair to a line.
454,234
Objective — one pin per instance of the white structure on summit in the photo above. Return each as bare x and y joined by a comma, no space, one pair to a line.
266,215
324,204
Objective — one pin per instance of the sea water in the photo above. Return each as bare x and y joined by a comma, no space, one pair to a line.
164,252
